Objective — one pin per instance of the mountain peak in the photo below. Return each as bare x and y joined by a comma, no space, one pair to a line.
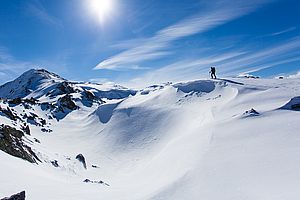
29,81
42,73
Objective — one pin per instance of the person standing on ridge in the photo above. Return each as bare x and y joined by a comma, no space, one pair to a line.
213,73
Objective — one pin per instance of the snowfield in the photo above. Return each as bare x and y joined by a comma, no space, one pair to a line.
204,139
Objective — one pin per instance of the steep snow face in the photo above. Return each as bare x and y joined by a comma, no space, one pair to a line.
221,139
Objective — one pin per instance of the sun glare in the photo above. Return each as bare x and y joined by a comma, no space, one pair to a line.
101,9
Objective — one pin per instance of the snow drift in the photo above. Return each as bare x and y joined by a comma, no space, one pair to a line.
203,139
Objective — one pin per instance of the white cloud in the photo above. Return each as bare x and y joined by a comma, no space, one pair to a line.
9,63
9,66
101,81
158,45
297,75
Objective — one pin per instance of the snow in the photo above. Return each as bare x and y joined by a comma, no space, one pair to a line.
28,82
188,140
39,83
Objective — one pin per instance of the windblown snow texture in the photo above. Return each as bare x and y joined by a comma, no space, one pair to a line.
205,139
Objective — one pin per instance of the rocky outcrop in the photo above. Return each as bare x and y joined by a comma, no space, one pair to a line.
293,104
62,88
11,142
251,113
19,196
55,163
67,102
26,129
15,101
65,88
9,114
81,159
95,182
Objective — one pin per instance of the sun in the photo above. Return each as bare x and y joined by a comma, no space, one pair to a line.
101,9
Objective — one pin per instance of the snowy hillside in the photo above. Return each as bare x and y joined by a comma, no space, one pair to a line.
204,139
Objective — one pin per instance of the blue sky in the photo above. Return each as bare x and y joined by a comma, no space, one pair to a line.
151,41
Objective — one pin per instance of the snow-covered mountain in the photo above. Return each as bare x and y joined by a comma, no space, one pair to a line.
204,139
39,82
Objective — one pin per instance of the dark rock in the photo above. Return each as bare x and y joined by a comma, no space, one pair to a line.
55,163
89,95
88,98
33,115
46,130
87,181
81,159
62,88
251,112
9,114
19,196
32,101
296,106
293,104
95,166
36,140
65,88
67,102
43,121
95,182
26,129
15,101
11,142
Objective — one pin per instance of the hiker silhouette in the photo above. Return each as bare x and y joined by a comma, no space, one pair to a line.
213,72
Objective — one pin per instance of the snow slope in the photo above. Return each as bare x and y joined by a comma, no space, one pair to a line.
194,140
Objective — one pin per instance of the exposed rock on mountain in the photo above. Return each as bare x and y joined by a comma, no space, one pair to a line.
19,196
293,104
12,142
81,159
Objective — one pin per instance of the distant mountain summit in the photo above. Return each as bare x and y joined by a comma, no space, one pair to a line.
29,81
39,83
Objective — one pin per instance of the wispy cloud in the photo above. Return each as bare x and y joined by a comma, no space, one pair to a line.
230,63
13,66
37,9
183,70
9,66
278,53
283,31
158,45
271,64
